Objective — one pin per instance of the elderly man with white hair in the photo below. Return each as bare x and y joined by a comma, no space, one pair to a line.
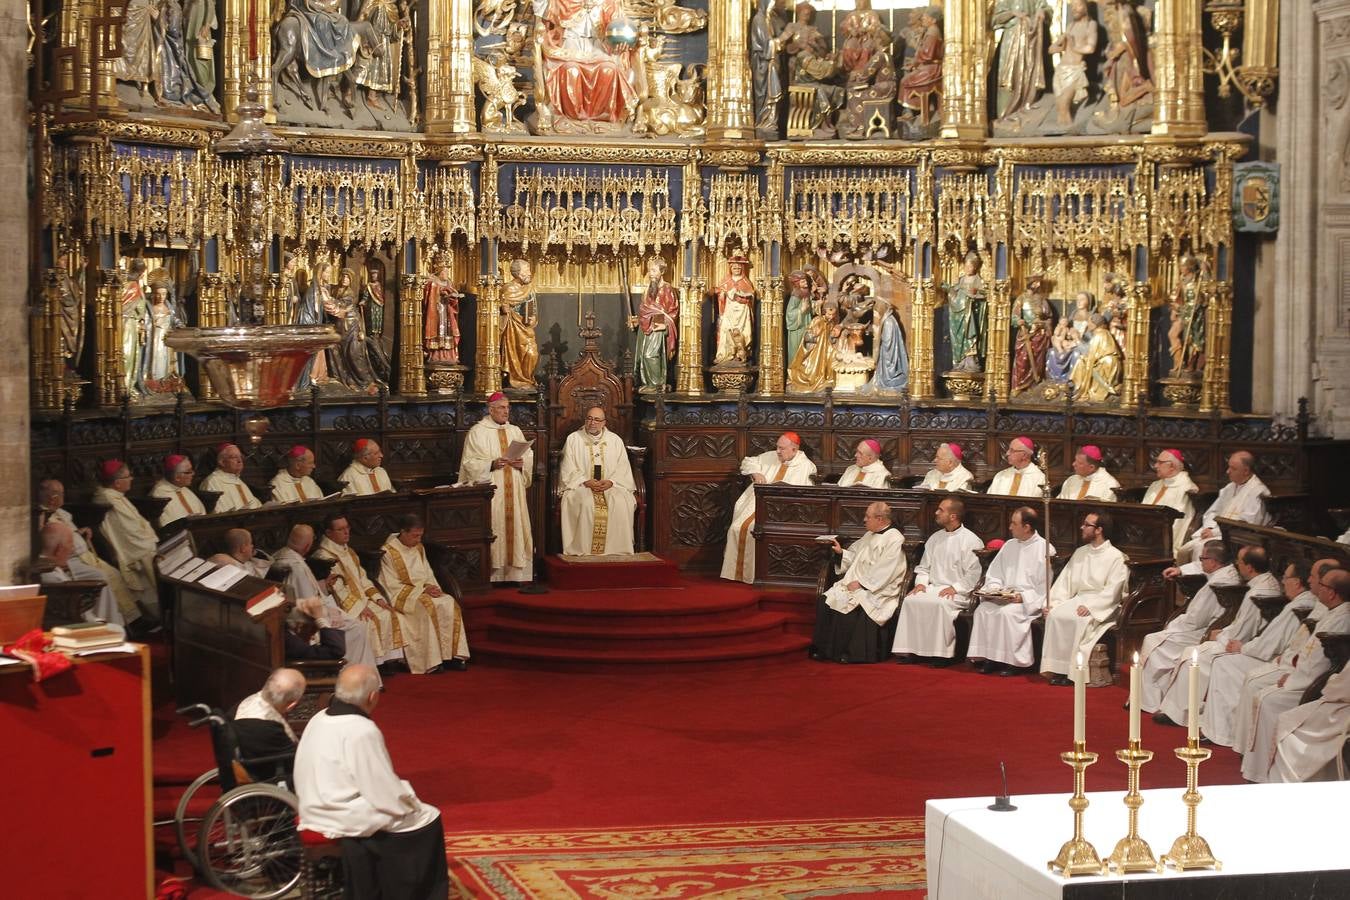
785,464
176,487
1173,488
260,724
597,490
1089,481
366,475
225,481
487,458
361,637
1242,498
132,538
293,484
1022,477
867,470
53,564
84,563
851,616
948,472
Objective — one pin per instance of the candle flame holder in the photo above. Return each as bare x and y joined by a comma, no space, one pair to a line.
1078,856
1132,853
1191,851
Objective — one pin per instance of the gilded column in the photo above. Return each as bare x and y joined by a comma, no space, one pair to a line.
210,314
689,365
449,100
487,375
1134,385
412,373
1178,70
248,51
110,375
45,347
997,350
1219,336
965,114
921,359
730,106
772,366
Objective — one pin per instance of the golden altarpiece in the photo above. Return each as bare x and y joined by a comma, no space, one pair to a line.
968,221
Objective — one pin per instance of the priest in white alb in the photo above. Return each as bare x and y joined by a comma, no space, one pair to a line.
867,470
225,481
943,580
84,563
1309,738
948,472
487,459
132,538
52,566
355,593
1084,600
598,494
851,616
1089,481
1242,498
431,620
366,475
176,488
1022,477
362,638
1000,634
785,464
293,484
1173,488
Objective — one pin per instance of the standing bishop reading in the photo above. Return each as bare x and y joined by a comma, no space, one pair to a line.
597,490
486,460
786,463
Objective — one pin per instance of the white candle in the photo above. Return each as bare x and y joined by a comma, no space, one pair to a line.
1079,703
1193,698
1134,699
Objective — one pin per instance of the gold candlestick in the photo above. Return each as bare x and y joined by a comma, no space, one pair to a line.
1132,853
1191,851
1078,856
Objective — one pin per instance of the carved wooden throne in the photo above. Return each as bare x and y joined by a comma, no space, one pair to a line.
592,381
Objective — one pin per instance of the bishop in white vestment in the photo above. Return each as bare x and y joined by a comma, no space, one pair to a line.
132,538
1022,477
356,595
225,481
293,484
785,464
175,487
1084,600
1089,480
1309,738
599,496
1001,632
1242,498
867,470
485,460
851,616
365,475
948,473
1173,488
946,574
432,624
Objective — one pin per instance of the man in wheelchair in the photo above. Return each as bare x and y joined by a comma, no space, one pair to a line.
261,729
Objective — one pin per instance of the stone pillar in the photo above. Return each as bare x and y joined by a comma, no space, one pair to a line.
1178,70
449,100
731,114
965,114
15,432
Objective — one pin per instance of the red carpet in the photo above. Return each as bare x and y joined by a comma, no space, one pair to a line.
564,575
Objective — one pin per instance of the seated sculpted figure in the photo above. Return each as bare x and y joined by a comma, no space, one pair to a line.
851,616
597,489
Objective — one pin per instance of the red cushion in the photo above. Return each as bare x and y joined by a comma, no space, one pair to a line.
314,838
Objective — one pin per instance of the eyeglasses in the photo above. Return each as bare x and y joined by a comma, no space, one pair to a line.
595,418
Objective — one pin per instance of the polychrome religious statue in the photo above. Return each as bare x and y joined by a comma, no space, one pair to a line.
1021,53
1127,73
1097,374
440,313
805,286
766,66
656,322
965,316
356,362
811,369
667,103
379,67
870,80
585,51
1186,334
372,297
161,369
1056,112
891,375
1033,320
735,314
1116,306
1070,338
520,314
921,84
135,315
812,68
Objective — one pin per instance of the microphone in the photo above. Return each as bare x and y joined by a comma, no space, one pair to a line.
1003,803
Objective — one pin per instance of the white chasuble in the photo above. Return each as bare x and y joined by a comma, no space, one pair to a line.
362,479
877,562
286,488
134,542
1025,482
874,475
1002,631
1309,738
1160,651
957,479
234,494
432,626
596,522
1095,579
738,562
1175,492
358,598
513,549
182,502
927,619
1100,485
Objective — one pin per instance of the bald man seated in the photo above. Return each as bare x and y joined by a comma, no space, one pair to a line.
361,638
261,728
1242,498
785,464
53,564
851,616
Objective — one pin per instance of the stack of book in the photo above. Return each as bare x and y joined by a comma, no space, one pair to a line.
86,636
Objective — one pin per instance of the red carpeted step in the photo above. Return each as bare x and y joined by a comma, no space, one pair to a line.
618,609
759,647
563,575
601,634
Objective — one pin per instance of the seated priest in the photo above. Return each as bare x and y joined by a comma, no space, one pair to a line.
225,481
260,725
365,475
355,593
239,551
867,470
360,637
1173,488
597,490
943,580
1229,667
132,538
948,473
1161,651
429,617
1242,498
176,487
1309,738
1262,702
486,460
785,464
84,563
52,566
293,484
1022,477
1089,481
1000,635
1084,600
851,616
393,844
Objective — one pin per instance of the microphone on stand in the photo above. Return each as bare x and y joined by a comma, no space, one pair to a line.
1003,803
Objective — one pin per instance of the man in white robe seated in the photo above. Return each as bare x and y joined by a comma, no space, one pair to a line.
393,844
132,538
948,472
239,551
1173,488
53,567
1242,498
1022,477
1000,635
785,464
1162,651
225,481
1084,600
597,490
365,475
85,564
1089,480
1309,739
867,470
176,487
356,595
429,617
943,579
1229,670
260,724
851,616
1261,704
293,484
486,460
362,638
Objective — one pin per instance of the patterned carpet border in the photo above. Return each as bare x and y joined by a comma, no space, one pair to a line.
796,860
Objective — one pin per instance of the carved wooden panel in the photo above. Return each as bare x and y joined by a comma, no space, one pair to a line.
700,512
795,562
701,446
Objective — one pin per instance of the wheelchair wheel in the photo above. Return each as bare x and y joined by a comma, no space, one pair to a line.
186,825
248,844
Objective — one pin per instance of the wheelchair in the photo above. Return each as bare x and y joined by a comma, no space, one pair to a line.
248,843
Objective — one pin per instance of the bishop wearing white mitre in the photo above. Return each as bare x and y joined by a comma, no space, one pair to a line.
944,577
785,464
1000,633
1084,600
597,489
485,460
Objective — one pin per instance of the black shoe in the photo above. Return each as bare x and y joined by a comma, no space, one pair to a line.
1125,705
942,662
1164,719
906,659
455,665
844,659
1060,681
1008,671
394,667
983,666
